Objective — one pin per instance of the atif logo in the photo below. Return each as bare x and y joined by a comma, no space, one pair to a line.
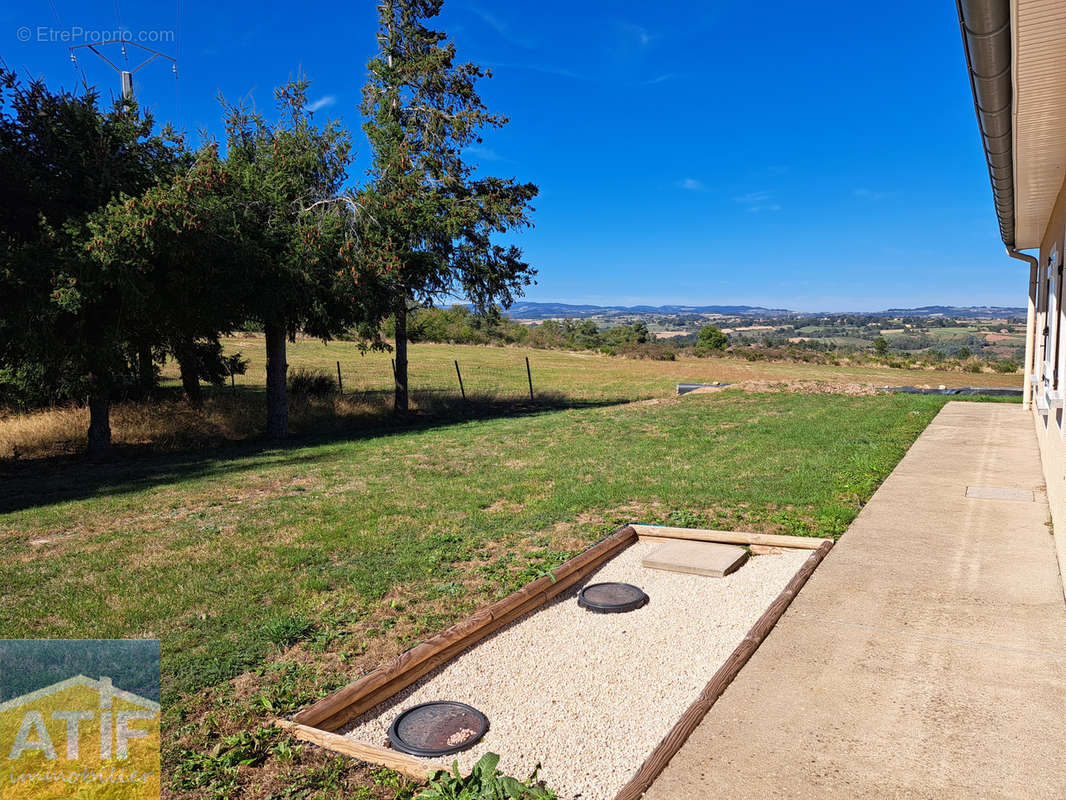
79,738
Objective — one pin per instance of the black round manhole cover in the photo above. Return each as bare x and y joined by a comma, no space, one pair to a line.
611,598
437,729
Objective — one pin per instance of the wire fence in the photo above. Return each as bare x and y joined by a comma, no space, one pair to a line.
373,375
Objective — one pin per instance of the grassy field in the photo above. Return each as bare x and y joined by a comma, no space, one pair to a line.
582,376
273,575
495,381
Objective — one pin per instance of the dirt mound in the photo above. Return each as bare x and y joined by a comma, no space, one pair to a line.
797,387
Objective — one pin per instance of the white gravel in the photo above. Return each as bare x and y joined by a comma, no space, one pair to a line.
588,695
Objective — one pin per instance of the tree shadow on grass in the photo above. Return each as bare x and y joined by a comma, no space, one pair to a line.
45,481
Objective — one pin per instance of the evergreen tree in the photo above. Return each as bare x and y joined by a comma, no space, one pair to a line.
293,233
429,221
69,325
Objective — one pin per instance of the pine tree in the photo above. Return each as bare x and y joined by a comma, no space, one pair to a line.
429,220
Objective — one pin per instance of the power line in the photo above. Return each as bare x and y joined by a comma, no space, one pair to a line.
55,13
126,74
177,52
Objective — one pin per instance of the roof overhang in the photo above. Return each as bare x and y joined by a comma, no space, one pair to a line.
1039,78
1016,54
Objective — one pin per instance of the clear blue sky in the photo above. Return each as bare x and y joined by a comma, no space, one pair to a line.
815,157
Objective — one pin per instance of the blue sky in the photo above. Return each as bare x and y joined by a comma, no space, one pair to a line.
687,152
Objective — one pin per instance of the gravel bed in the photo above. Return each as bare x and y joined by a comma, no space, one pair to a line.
589,695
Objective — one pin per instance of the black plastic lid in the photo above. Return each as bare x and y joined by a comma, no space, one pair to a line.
611,598
437,729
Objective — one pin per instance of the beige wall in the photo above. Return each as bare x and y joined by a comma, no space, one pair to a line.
1048,417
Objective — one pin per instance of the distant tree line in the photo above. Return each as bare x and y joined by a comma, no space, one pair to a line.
459,325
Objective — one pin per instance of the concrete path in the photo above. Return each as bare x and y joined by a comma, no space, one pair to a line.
926,657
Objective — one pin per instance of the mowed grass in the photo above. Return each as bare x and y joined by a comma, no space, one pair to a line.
274,575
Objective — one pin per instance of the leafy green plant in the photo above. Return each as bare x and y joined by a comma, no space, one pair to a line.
484,783
217,769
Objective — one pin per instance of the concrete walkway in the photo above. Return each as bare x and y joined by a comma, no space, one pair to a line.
926,657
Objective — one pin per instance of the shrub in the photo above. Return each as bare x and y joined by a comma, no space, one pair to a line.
311,382
1006,367
711,338
974,366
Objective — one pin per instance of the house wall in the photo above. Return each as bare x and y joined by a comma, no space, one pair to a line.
1047,407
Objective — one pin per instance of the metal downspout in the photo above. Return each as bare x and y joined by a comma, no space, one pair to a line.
1030,326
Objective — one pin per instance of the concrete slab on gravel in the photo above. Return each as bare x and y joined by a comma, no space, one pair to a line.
999,493
697,558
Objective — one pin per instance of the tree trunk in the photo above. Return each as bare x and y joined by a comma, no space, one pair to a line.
146,370
277,370
400,403
190,377
99,418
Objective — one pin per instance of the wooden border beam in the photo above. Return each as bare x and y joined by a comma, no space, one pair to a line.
410,766
654,532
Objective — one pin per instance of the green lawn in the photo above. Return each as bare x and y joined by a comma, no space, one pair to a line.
273,575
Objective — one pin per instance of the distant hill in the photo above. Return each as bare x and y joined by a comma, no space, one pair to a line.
527,310
990,312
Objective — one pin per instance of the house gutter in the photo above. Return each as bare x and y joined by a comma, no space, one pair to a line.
986,40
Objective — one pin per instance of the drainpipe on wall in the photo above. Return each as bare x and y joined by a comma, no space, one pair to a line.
1030,326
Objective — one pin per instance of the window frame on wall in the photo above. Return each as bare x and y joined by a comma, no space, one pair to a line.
1051,297
1060,352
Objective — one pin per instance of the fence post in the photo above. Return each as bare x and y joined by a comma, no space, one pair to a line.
529,374
462,391
340,384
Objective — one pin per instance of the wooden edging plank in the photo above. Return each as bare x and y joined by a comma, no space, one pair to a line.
661,532
346,703
655,763
407,765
